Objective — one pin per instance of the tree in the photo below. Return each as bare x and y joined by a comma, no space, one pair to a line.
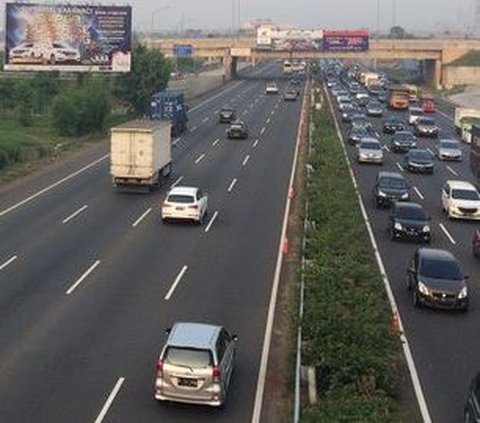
24,102
149,74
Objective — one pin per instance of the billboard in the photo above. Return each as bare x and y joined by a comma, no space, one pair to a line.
67,37
345,40
289,39
183,50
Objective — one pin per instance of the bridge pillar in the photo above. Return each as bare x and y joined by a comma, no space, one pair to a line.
433,73
230,67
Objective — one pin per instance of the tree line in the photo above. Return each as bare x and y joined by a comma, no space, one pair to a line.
81,103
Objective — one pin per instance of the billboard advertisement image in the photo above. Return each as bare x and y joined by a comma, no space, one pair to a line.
68,37
289,39
345,40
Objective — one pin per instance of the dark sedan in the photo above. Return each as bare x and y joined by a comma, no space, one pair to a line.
390,187
435,279
403,141
348,112
393,124
418,160
226,115
237,129
357,133
409,221
426,127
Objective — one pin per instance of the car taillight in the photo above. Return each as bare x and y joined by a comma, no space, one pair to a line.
160,367
216,374
195,207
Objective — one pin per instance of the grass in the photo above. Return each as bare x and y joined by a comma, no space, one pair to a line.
346,321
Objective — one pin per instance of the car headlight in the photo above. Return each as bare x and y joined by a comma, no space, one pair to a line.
463,293
423,288
381,194
398,226
426,228
405,195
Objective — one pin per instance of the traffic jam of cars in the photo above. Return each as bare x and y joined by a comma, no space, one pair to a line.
429,163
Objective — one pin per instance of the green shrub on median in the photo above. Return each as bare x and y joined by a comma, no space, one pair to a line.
346,320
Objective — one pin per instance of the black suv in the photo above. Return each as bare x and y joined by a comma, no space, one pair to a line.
227,115
435,279
390,187
237,129
393,124
472,408
418,160
409,221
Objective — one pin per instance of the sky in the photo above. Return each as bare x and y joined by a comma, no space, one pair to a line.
414,15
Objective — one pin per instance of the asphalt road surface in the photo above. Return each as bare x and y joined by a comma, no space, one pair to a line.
444,345
85,270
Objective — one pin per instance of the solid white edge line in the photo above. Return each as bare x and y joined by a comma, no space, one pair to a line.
445,231
418,193
422,404
110,399
134,224
451,170
255,143
257,409
246,159
82,278
399,166
179,179
55,184
200,158
232,184
211,221
216,142
175,283
8,262
74,214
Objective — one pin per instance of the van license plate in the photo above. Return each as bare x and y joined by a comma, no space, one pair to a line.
187,382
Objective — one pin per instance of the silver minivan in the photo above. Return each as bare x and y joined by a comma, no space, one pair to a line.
196,364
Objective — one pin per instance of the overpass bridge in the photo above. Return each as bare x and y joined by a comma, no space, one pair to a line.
438,54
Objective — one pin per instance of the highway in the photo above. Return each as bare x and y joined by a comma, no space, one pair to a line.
90,277
444,345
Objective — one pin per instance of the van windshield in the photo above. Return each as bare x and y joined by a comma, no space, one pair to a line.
188,357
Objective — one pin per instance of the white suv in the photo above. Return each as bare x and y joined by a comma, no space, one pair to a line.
185,203
413,114
271,88
460,200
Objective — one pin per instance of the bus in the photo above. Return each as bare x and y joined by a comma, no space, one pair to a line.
287,67
412,92
475,151
398,97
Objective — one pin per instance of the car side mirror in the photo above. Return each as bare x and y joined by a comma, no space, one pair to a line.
168,330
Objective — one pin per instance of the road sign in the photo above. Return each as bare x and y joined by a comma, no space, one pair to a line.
183,50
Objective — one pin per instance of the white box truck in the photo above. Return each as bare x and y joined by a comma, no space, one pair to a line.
140,153
462,113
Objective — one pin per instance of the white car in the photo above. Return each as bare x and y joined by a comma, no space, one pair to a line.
22,52
45,52
448,149
185,203
370,151
413,114
461,200
271,88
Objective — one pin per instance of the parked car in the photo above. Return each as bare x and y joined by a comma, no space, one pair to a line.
238,130
227,115
374,109
196,364
448,149
460,200
271,88
357,133
414,113
393,124
390,187
403,141
435,279
185,203
370,151
476,243
418,160
472,407
409,221
426,127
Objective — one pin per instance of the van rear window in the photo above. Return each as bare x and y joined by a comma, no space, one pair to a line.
188,357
